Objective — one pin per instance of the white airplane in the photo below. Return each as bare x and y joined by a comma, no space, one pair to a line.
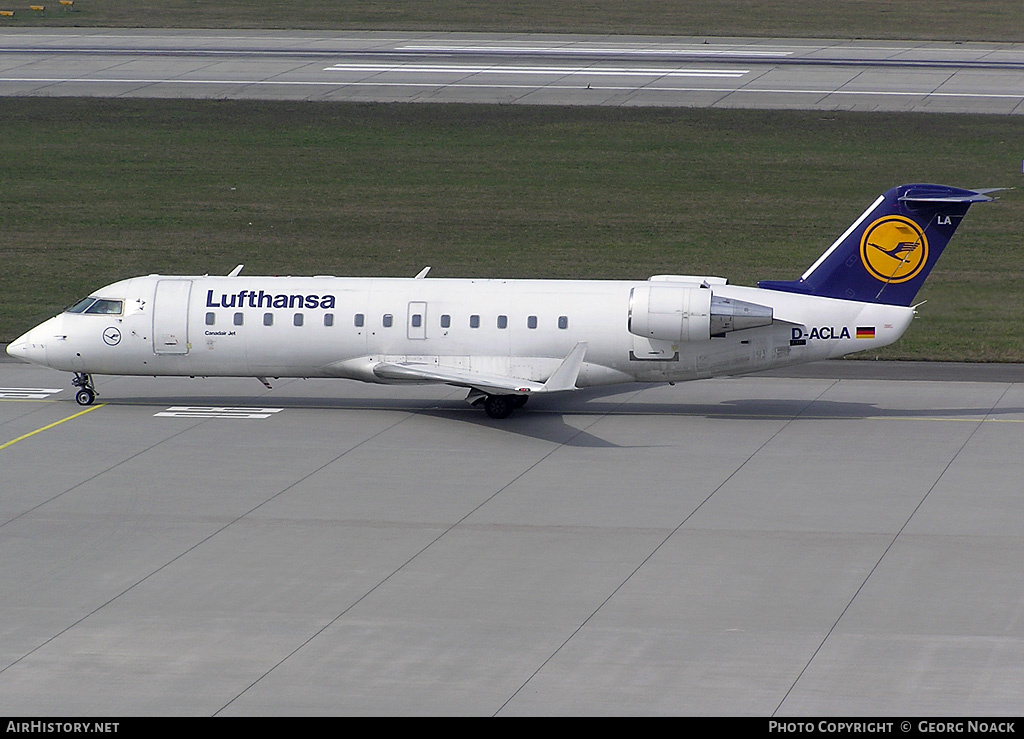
506,340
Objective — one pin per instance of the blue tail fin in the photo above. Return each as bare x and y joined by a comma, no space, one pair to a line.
885,256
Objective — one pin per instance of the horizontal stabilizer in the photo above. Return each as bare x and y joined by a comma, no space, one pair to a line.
940,194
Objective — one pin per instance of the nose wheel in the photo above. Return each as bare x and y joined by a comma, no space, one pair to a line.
86,394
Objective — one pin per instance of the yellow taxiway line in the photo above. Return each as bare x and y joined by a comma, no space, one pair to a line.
50,426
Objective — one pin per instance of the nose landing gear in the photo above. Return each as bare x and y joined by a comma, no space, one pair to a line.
87,392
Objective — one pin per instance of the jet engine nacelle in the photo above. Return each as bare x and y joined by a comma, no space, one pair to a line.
674,313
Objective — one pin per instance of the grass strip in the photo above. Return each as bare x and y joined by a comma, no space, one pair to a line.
953,20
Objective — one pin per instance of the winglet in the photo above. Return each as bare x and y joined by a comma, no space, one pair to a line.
564,378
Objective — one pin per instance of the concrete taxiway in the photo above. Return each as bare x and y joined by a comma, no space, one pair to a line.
845,540
515,68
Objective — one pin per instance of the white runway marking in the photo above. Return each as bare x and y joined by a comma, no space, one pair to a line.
27,393
190,411
558,71
570,50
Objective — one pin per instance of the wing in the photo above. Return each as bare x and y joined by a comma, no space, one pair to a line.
563,378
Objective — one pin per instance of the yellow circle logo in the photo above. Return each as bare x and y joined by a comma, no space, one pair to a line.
894,249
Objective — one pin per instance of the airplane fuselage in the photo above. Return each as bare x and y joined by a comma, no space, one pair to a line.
345,327
505,340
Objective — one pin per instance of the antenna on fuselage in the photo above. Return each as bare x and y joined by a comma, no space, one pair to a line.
235,271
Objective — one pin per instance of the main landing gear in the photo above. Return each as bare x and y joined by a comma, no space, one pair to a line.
501,406
87,392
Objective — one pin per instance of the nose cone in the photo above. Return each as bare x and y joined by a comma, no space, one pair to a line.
31,346
19,347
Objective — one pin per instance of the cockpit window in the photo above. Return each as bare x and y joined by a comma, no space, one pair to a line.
106,307
81,305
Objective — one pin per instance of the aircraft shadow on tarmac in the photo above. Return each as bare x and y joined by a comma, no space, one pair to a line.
548,422
545,418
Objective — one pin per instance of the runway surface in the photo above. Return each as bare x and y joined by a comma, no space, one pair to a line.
515,68
835,542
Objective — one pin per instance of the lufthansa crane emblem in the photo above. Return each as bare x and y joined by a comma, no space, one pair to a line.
894,249
111,336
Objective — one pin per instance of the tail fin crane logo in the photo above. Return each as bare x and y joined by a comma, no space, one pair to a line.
894,249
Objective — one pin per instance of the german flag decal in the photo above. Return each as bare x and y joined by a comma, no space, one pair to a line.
865,332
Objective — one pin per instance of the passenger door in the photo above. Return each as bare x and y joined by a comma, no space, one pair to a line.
170,317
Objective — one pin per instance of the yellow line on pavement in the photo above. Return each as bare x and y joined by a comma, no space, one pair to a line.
45,428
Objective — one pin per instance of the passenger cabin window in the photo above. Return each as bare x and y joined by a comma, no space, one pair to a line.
328,319
211,318
563,322
446,321
238,319
474,321
502,321
360,319
531,322
388,320
417,320
268,319
297,319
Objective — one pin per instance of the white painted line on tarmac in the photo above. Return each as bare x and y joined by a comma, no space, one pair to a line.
27,393
559,71
194,411
569,50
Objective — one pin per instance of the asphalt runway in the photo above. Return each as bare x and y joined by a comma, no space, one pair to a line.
837,541
515,68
